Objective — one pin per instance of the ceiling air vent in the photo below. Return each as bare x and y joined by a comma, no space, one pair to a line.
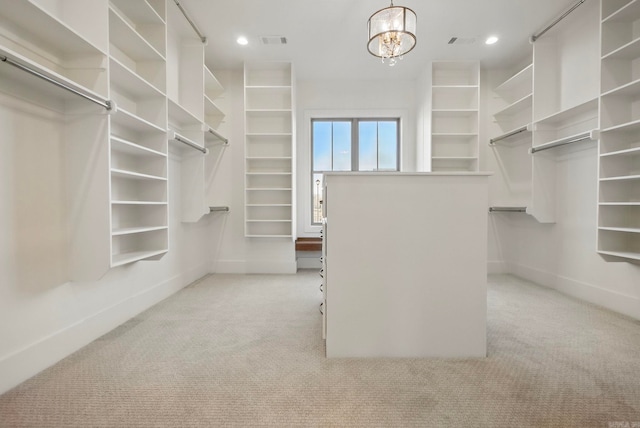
462,40
273,40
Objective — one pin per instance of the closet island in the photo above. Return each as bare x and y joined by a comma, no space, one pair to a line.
405,264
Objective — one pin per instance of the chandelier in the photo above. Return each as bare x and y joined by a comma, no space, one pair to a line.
392,33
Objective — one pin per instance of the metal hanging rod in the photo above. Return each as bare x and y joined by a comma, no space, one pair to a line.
214,132
507,135
553,24
104,103
193,25
177,137
508,209
591,135
214,209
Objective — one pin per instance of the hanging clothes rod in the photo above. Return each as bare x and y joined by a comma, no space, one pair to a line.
214,209
508,209
177,137
507,135
553,24
193,25
224,140
104,103
591,135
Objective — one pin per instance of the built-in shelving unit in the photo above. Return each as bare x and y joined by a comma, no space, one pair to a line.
269,142
138,147
511,136
619,154
566,77
455,104
116,75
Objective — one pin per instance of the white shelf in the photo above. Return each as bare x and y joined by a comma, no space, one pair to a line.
621,229
269,134
268,205
212,87
628,51
268,173
132,82
518,106
129,41
522,77
52,35
622,178
211,108
150,203
135,175
126,258
180,116
627,13
136,230
268,236
631,89
619,204
131,121
633,126
140,11
569,113
622,254
268,158
133,149
268,189
627,152
454,158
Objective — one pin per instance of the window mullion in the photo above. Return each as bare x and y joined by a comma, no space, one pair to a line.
355,153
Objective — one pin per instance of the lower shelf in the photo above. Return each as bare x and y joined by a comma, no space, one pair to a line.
622,254
135,256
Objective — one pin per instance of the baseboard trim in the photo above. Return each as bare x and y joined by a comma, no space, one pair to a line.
613,300
497,267
25,363
609,299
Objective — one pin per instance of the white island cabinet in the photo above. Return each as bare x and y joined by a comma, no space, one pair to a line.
406,264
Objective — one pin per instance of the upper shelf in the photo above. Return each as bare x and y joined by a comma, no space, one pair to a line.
627,13
524,76
569,113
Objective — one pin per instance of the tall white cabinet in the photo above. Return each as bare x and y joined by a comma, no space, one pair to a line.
137,71
619,154
455,107
269,150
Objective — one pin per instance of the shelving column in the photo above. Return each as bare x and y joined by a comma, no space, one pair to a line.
566,70
138,142
511,135
619,154
269,148
455,89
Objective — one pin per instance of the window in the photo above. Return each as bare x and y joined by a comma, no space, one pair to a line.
351,145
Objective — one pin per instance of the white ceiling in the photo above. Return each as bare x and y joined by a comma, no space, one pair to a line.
327,38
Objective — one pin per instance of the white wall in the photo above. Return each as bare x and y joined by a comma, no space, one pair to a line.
44,317
349,98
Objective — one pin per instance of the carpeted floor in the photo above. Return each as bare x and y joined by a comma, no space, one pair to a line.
247,351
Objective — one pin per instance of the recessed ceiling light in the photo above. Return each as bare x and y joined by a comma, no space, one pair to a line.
491,40
242,41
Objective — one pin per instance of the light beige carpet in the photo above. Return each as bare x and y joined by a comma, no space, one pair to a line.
247,351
